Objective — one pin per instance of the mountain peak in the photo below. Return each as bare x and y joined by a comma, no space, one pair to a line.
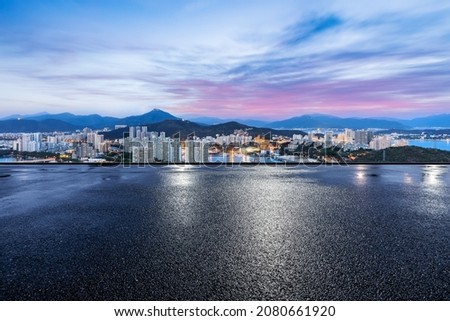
154,116
157,111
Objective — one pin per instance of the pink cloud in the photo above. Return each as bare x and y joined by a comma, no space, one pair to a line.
266,101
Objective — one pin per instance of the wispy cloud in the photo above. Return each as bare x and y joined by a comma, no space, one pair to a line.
261,59
305,30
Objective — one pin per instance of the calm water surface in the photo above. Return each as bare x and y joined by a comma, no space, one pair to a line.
438,144
246,233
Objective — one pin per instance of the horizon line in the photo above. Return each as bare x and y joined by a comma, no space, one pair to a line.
241,118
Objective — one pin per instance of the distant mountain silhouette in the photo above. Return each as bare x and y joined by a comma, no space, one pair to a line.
19,116
95,121
327,121
154,116
215,121
30,126
68,121
187,128
91,121
442,120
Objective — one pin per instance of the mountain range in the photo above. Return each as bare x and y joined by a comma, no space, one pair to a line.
68,121
327,121
185,128
45,122
34,126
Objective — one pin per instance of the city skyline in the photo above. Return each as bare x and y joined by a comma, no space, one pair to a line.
210,58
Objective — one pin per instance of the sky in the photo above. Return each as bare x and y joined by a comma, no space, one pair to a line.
255,59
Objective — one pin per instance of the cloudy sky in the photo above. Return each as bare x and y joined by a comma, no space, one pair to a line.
258,59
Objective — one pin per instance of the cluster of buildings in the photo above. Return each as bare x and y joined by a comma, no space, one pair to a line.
85,144
144,146
348,140
386,141
148,147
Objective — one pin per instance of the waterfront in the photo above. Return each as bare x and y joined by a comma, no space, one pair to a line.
430,143
7,160
362,232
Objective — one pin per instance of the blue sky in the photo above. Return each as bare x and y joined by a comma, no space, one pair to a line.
259,59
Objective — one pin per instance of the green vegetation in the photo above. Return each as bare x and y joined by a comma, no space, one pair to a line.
5,153
330,152
28,155
186,128
406,154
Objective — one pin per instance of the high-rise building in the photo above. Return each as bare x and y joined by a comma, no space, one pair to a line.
26,139
29,144
99,139
37,137
381,142
138,132
131,132
142,152
176,150
328,139
166,151
17,145
363,137
137,154
197,152
349,135
205,152
84,150
144,132
189,151
150,152
159,149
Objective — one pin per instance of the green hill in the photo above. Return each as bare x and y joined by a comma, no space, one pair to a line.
185,128
406,154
